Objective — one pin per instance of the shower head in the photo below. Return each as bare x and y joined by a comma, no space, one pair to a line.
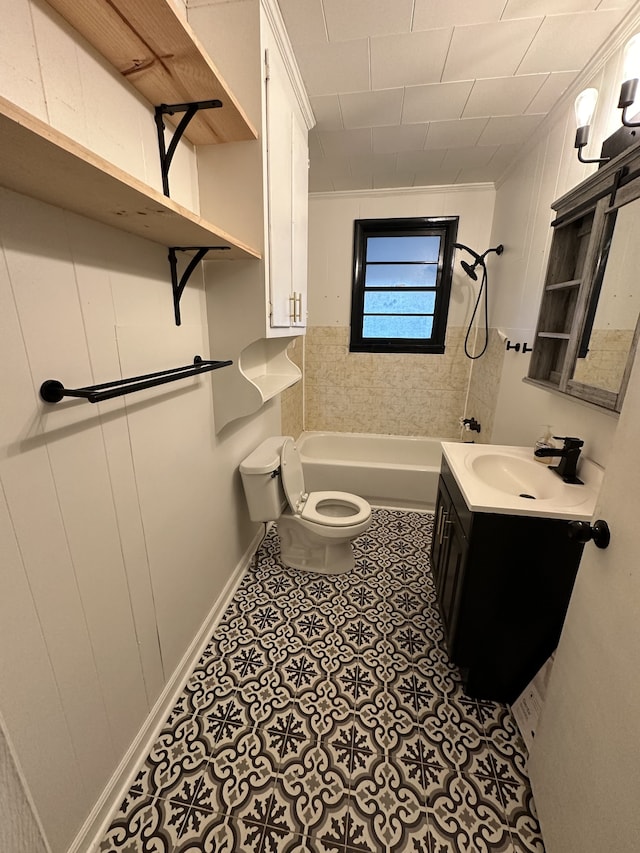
470,270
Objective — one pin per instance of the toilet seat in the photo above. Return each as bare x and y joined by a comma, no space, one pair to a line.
358,509
341,509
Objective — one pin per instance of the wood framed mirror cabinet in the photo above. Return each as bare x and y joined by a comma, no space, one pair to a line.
587,328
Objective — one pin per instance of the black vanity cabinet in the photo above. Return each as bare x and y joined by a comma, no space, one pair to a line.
503,585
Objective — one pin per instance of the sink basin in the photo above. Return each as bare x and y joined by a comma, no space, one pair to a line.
501,478
515,476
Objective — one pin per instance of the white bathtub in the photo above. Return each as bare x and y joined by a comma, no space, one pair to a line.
387,470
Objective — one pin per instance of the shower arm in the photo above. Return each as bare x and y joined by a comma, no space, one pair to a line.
499,249
479,259
475,255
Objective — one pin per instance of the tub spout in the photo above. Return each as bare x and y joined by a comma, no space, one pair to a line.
472,424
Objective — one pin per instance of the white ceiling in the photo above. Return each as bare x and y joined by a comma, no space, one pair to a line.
422,92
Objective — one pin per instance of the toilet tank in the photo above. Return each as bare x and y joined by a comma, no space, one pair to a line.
263,491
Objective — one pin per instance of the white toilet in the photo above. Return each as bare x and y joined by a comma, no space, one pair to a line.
315,529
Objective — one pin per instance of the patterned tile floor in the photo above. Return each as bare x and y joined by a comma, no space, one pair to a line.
324,715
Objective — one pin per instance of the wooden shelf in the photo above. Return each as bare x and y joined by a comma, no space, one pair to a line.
544,384
154,47
556,336
40,162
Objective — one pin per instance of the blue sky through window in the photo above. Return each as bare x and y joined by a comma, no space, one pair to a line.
407,249
397,302
398,263
396,327
401,275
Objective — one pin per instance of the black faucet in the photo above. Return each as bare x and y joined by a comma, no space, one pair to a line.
570,452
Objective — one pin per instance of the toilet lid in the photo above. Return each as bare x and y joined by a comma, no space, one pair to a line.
291,471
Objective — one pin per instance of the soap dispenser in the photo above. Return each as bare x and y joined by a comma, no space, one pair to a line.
544,441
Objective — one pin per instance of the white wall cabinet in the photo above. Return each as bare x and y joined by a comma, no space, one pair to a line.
287,198
254,311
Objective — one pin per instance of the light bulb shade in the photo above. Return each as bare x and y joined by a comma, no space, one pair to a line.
631,63
585,105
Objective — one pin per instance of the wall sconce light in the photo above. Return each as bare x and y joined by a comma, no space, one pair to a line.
630,74
585,105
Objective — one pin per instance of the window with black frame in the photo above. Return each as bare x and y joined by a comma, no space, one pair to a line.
402,271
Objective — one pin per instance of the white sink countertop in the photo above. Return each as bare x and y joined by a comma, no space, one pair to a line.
495,477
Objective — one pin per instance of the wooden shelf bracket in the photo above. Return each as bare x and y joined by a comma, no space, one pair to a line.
189,110
178,286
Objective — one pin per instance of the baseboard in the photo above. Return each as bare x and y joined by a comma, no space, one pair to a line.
424,509
100,817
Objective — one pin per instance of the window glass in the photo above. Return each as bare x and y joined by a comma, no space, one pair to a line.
397,327
416,248
401,275
399,302
401,284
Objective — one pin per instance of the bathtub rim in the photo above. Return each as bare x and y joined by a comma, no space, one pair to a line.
412,503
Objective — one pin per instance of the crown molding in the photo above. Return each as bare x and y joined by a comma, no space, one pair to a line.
274,16
434,189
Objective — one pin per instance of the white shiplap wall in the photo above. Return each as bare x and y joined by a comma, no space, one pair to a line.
121,523
548,169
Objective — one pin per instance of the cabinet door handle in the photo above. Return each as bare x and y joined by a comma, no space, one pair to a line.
446,521
295,309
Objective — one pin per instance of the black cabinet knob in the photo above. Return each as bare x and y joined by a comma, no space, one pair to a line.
583,532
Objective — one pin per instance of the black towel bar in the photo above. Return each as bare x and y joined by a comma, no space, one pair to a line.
53,391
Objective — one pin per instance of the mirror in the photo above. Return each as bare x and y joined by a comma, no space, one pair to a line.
602,357
588,325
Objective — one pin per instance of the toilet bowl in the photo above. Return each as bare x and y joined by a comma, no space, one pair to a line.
315,529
